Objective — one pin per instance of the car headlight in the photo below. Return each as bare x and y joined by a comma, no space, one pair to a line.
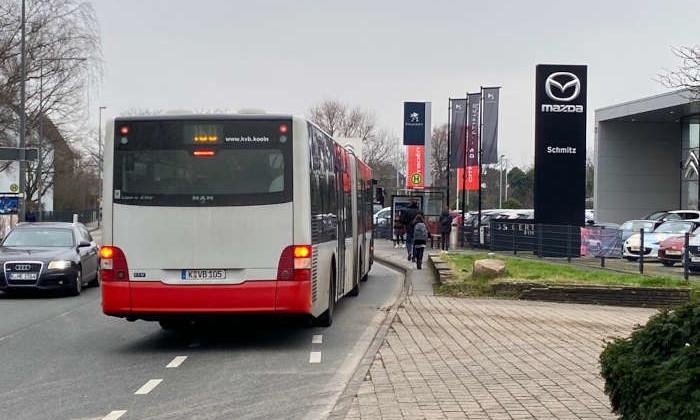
59,265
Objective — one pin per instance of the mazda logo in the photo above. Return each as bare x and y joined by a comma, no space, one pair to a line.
22,267
557,90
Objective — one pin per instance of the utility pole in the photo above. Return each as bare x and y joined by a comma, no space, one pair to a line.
22,120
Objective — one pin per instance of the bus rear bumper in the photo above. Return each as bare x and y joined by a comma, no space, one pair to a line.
149,299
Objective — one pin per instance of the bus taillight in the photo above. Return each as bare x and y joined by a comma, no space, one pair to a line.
113,265
204,153
295,263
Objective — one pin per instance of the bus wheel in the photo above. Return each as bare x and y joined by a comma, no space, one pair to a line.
326,318
364,276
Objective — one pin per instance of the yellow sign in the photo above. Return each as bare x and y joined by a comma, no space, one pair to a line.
416,178
14,188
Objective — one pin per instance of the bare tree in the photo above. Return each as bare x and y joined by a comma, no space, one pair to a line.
439,155
687,75
337,119
63,58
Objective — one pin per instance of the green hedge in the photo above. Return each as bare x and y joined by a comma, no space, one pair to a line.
655,373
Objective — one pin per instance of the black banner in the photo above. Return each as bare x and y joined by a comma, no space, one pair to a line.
489,135
560,144
458,109
414,123
474,108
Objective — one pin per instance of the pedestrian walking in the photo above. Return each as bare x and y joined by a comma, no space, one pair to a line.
420,238
409,214
445,229
399,231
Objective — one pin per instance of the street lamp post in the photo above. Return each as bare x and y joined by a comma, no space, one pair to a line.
22,117
39,180
99,162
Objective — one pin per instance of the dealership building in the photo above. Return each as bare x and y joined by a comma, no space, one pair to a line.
647,156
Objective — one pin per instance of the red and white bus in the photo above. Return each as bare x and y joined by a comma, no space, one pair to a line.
224,214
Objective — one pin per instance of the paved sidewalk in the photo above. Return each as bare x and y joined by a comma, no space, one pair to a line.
490,359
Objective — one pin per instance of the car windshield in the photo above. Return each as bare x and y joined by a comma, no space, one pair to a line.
635,226
674,227
34,237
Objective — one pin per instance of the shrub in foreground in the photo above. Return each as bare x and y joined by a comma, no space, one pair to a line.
655,373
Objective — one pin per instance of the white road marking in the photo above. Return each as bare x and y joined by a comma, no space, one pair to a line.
114,415
317,339
148,387
315,357
176,362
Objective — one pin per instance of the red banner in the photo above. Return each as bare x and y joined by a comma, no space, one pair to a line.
416,166
471,177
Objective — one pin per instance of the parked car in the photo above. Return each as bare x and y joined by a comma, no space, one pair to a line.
384,213
666,215
652,241
694,251
48,256
671,250
631,227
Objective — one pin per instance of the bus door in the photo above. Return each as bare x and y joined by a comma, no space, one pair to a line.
340,195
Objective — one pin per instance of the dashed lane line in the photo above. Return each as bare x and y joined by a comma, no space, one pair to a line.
315,357
148,387
317,339
176,362
114,415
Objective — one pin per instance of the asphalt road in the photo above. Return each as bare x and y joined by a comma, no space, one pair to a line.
63,359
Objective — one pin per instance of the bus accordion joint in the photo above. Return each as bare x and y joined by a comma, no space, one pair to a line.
113,266
295,263
204,153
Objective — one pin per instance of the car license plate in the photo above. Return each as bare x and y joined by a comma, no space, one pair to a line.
22,276
672,252
695,259
203,274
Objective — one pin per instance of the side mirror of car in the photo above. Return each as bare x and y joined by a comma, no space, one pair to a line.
84,244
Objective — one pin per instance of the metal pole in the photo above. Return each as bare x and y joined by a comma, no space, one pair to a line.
641,251
449,146
99,162
686,257
506,186
500,186
41,139
481,116
22,118
464,180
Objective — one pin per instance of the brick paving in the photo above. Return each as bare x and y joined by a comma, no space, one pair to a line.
447,358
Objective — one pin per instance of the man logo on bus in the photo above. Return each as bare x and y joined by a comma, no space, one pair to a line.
414,117
416,178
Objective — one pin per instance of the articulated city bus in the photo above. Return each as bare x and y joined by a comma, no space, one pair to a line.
223,214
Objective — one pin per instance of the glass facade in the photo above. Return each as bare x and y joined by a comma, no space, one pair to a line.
690,162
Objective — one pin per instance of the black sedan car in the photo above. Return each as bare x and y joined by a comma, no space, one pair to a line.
48,256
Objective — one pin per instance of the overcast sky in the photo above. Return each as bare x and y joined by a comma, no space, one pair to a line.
285,56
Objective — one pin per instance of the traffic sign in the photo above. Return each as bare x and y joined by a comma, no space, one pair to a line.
416,178
15,153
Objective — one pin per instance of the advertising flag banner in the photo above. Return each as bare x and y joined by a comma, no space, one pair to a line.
414,127
489,136
472,134
458,109
416,167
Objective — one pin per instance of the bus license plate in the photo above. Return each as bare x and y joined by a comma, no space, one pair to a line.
203,274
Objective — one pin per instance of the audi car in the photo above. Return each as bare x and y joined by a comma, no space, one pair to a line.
48,256
632,248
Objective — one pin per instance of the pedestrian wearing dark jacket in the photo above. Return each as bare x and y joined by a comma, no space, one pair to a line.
420,238
407,219
445,229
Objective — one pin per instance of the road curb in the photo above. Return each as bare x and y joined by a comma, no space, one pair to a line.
342,404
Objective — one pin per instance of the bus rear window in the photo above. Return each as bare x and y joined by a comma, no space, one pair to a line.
214,163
